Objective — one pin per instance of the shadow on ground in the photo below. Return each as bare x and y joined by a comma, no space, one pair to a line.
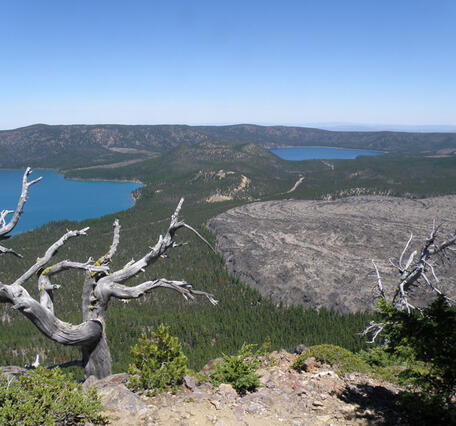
381,406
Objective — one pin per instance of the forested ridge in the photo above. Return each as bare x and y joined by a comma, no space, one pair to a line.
70,146
198,173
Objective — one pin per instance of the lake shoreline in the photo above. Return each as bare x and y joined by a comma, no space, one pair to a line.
136,181
309,153
62,172
324,146
134,198
72,199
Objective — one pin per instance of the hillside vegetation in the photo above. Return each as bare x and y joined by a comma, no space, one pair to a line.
213,178
70,146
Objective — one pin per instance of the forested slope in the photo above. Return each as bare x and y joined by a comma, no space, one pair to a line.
70,146
213,178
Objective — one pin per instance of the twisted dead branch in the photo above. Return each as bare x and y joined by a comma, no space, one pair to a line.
100,285
418,270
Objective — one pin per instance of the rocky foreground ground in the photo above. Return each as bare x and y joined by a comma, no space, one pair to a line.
318,253
315,397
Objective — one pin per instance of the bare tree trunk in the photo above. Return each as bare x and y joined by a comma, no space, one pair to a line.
96,359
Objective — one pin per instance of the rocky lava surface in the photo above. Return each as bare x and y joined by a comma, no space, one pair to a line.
318,253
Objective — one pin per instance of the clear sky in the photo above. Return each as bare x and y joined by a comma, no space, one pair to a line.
219,62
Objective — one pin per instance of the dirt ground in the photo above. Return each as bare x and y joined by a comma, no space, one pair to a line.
286,397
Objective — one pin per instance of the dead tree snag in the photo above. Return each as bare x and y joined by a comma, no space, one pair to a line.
418,270
100,285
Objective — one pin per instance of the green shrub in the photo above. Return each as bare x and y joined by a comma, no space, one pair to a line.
159,362
378,356
342,360
47,397
239,370
394,368
429,336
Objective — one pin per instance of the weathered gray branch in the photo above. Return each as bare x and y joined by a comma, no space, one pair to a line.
374,329
64,265
379,280
200,236
4,293
120,291
8,227
3,215
404,251
115,243
164,243
45,286
414,273
47,322
4,250
51,251
41,314
99,286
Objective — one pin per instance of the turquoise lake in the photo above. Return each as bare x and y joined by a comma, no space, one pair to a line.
320,153
55,198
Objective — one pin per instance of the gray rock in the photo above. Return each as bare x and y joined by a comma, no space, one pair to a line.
300,349
265,376
197,395
90,381
265,396
254,408
119,397
227,390
206,387
310,364
114,379
210,366
190,382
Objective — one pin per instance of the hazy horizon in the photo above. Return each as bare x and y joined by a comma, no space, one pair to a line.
347,127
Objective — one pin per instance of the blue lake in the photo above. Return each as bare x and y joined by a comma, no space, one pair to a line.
320,153
55,198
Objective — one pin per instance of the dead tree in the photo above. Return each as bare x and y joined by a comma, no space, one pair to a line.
418,270
7,227
100,285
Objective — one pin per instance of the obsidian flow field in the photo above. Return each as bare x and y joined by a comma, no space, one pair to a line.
318,253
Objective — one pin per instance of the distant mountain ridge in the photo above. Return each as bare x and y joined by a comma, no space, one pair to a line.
68,146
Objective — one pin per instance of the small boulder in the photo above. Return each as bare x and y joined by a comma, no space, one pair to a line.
265,375
190,382
300,349
90,381
226,389
114,379
210,366
309,364
120,398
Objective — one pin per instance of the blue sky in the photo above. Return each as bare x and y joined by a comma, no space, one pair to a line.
214,62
